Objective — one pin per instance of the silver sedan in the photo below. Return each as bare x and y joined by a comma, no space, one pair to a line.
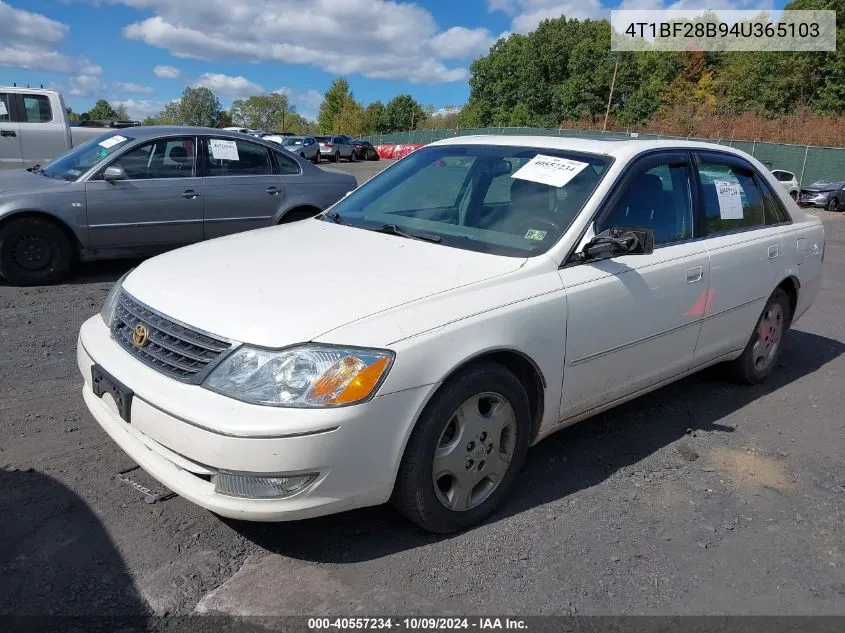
306,146
143,190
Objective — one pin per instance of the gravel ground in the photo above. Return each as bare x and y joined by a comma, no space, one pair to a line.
701,498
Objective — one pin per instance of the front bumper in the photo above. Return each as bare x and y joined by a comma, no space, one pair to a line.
814,203
184,434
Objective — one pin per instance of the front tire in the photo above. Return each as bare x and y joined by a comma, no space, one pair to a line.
34,251
833,205
761,354
465,451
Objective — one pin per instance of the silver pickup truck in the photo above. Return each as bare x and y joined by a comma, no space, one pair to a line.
34,127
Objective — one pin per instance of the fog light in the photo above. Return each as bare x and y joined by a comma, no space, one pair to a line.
248,487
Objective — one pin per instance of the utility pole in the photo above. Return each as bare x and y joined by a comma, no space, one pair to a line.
610,96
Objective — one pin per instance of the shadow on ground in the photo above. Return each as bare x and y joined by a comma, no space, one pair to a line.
575,458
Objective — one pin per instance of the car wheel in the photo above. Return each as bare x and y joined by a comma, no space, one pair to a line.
335,158
793,195
302,154
761,354
833,205
34,251
465,451
352,157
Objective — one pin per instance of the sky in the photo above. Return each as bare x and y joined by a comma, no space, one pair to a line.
143,53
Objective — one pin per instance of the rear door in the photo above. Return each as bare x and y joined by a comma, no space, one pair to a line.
10,138
242,189
43,132
158,206
747,259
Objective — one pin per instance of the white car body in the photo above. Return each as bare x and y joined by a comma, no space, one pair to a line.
596,335
788,181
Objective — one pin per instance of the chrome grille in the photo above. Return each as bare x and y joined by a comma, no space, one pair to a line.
172,349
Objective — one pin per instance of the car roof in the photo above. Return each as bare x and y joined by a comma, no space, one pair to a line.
150,131
618,148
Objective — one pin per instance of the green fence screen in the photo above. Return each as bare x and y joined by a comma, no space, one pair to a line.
808,162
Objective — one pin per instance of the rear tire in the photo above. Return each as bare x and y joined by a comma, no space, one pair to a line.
335,158
467,448
761,354
34,251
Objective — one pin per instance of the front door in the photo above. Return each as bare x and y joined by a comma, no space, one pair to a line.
10,138
158,206
633,321
242,190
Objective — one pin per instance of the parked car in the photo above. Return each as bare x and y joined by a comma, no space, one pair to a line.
364,150
333,148
241,130
35,128
148,189
414,340
825,194
789,182
306,146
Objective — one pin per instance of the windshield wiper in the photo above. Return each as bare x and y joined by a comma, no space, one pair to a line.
392,229
34,168
335,217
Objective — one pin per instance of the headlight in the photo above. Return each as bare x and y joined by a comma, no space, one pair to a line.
304,376
109,305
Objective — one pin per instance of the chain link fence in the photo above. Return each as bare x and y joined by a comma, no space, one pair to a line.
809,163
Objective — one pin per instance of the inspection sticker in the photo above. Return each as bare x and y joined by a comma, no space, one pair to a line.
534,234
730,203
3,110
111,141
223,150
550,170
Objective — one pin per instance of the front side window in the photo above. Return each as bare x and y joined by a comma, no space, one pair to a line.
162,158
230,157
658,199
515,201
37,109
732,199
5,107
81,158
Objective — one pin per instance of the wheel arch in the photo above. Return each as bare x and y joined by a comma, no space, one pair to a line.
298,212
791,286
72,236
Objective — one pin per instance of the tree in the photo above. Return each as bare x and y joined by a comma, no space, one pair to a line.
333,101
351,119
262,112
198,106
403,113
374,118
224,120
101,111
120,113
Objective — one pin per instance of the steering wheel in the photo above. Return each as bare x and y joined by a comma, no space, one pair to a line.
535,223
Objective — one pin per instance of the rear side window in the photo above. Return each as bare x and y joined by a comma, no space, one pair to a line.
285,165
5,107
732,199
230,157
37,109
783,176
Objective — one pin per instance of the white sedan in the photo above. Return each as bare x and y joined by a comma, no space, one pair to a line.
411,343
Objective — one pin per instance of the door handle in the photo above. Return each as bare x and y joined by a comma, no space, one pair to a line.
774,251
272,190
8,133
190,194
694,274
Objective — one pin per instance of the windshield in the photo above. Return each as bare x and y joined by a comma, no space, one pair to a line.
292,140
514,201
83,157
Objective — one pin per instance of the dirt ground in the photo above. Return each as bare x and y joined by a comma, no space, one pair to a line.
701,498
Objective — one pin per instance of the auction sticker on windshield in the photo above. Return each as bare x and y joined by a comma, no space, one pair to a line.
223,150
730,204
550,170
111,141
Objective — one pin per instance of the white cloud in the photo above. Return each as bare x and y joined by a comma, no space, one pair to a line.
310,99
139,109
447,110
84,86
131,88
398,40
167,72
29,40
229,86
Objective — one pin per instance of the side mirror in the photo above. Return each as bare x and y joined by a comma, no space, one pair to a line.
615,242
113,172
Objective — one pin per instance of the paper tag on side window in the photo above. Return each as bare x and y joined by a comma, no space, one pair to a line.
730,202
112,141
550,170
223,150
3,110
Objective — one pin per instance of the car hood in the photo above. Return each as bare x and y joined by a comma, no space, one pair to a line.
824,186
18,181
291,283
